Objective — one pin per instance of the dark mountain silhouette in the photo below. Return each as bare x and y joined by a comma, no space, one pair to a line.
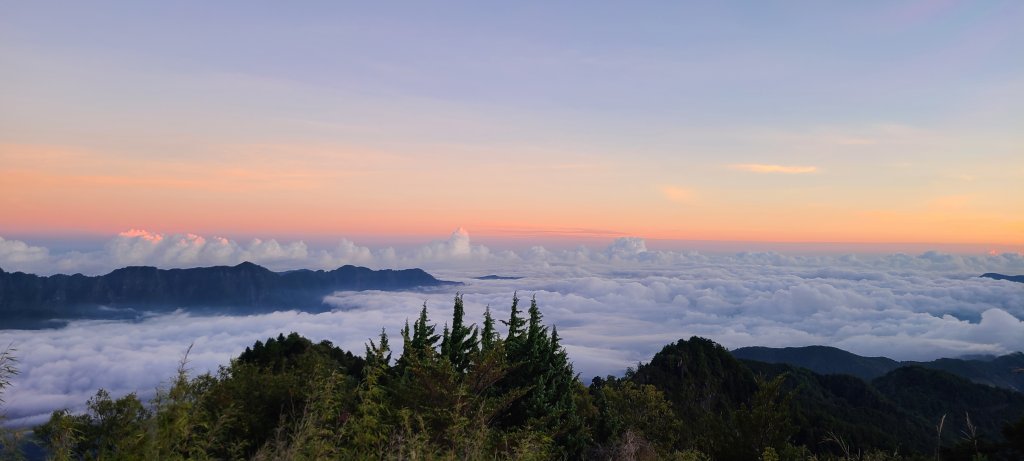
897,411
934,393
821,359
1012,278
822,405
497,277
997,371
31,301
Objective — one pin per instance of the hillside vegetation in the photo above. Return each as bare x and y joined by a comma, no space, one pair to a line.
460,391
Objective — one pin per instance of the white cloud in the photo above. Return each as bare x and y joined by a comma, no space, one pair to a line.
140,247
457,247
613,306
17,253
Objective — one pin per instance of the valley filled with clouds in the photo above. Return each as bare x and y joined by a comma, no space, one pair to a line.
614,306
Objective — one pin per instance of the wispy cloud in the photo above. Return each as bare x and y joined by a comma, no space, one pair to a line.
781,169
853,141
677,194
951,202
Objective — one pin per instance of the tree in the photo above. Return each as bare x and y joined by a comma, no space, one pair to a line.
632,414
489,336
515,326
369,429
420,339
764,422
9,439
541,368
460,344
8,369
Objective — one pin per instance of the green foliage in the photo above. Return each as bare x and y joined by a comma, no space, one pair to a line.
8,369
10,439
515,325
933,393
629,412
110,429
489,336
824,405
62,434
461,343
705,385
1014,433
763,424
471,393
368,430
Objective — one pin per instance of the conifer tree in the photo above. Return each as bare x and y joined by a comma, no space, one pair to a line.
460,343
379,355
535,330
515,326
445,341
489,335
423,336
369,430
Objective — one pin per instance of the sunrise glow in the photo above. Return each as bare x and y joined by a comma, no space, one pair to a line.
94,140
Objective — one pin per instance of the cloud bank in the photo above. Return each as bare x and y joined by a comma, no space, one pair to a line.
141,247
614,306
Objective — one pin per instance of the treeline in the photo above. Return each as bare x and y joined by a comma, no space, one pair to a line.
472,392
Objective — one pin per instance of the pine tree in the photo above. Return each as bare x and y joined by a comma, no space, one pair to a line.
423,336
379,355
542,369
489,336
515,326
369,429
460,343
445,341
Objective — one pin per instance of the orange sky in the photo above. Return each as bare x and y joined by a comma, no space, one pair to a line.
832,123
323,191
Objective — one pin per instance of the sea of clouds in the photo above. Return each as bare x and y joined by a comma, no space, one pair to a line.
613,306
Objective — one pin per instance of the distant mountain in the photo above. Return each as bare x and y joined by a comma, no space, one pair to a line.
896,411
821,359
997,371
716,393
1012,278
497,277
934,393
1001,371
30,301
822,405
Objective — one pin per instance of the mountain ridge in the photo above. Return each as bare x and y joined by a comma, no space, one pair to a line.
32,301
997,276
996,372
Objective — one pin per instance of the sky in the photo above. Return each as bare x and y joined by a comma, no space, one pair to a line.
866,123
758,173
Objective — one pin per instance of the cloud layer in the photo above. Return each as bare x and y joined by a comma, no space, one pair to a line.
141,247
614,306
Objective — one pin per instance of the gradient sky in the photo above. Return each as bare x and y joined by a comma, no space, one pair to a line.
744,121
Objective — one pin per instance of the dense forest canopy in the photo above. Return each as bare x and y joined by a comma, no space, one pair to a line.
507,390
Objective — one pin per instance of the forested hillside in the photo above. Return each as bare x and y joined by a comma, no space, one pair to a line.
33,301
1004,371
507,390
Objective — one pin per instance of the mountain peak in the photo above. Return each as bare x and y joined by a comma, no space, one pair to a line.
1011,278
244,288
